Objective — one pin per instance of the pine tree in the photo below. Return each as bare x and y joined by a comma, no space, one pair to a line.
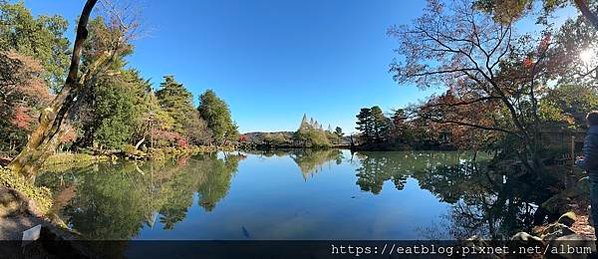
365,124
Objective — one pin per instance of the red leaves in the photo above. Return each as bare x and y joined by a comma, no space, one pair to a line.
22,89
22,118
528,63
169,138
68,135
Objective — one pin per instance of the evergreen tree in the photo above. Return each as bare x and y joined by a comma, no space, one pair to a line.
177,101
117,110
365,124
339,132
218,118
311,134
380,124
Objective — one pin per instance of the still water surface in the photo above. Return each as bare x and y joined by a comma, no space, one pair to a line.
330,194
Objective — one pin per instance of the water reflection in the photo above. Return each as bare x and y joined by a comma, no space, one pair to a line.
444,194
486,202
115,201
310,162
379,167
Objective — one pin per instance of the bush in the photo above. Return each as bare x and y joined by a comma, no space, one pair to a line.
42,196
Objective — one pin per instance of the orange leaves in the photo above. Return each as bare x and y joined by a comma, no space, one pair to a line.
528,63
22,89
22,118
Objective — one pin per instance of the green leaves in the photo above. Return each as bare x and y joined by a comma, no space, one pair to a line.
218,118
41,38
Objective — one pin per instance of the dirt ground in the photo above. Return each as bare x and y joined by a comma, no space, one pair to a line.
11,228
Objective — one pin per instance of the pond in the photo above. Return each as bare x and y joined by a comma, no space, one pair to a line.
329,194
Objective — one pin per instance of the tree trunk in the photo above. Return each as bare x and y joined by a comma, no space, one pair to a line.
46,137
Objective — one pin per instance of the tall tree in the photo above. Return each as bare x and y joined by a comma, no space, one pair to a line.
338,131
46,137
41,38
108,110
483,63
177,101
365,124
380,124
22,95
217,115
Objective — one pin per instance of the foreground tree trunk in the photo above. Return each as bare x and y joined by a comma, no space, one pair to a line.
46,137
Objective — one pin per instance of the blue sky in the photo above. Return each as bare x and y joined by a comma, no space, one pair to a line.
272,61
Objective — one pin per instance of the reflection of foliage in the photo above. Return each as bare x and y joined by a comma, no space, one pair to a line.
379,167
113,201
311,161
485,203
110,204
216,181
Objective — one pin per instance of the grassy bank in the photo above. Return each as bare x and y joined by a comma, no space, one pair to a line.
41,196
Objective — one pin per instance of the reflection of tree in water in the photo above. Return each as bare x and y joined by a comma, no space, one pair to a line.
379,167
114,201
482,202
216,181
485,203
311,161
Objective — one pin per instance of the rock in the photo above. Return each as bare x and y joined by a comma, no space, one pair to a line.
583,185
557,204
556,230
568,219
13,202
524,236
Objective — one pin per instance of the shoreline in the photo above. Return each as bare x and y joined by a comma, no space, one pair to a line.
579,226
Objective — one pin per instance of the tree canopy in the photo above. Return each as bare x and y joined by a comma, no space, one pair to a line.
218,117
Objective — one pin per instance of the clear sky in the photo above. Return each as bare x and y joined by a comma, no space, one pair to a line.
273,60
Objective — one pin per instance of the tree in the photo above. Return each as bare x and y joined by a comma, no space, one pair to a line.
365,124
508,11
218,118
310,134
115,112
568,105
338,131
380,124
373,124
40,38
400,130
22,94
484,64
108,111
177,101
46,137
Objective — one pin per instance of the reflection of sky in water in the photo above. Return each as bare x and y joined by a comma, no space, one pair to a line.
269,199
